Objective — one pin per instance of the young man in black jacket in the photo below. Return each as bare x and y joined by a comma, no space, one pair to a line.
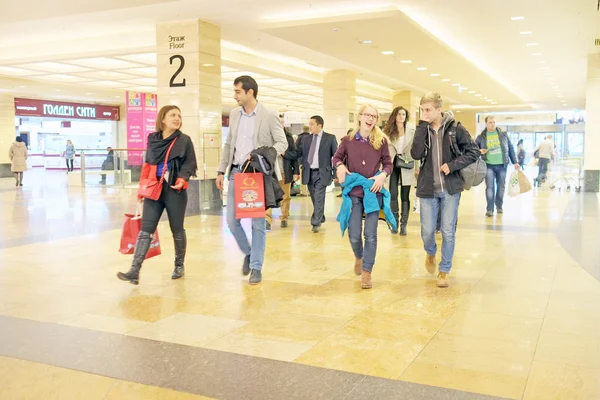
439,184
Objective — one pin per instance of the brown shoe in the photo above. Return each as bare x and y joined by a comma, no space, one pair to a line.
430,263
365,280
358,266
443,280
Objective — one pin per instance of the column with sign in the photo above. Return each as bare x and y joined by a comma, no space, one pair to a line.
7,132
189,76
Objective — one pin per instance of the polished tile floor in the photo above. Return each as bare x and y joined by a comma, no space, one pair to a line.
520,319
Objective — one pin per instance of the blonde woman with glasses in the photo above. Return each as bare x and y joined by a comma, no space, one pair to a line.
358,160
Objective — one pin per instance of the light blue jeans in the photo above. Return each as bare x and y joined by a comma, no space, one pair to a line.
447,206
256,251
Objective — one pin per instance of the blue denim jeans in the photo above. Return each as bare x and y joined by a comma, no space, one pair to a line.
256,251
355,232
447,206
495,182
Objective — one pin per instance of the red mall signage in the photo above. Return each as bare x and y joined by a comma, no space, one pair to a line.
59,109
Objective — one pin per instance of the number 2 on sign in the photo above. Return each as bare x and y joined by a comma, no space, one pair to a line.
181,65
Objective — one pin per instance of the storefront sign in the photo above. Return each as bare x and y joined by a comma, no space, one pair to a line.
141,121
59,109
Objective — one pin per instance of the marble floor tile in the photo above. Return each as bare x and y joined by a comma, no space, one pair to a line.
579,351
559,381
135,391
104,323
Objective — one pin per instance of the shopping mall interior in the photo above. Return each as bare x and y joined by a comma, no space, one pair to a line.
520,316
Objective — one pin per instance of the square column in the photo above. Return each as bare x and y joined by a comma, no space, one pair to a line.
592,127
339,102
7,132
408,100
189,76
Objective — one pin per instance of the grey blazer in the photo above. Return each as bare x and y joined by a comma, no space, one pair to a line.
408,175
267,132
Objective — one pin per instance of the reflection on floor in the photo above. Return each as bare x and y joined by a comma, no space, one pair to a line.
520,319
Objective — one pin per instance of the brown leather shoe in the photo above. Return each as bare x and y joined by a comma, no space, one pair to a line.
358,266
430,263
365,280
443,280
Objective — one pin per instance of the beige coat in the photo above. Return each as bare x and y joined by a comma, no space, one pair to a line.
18,157
408,175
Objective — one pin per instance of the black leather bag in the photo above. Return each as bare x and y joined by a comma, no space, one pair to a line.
400,163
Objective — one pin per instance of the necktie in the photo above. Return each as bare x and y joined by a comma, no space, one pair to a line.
313,148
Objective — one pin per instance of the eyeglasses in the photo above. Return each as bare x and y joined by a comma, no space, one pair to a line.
369,116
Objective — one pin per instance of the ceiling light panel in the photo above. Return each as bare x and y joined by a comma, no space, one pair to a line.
143,58
106,75
104,63
150,72
17,71
62,78
110,84
54,67
142,81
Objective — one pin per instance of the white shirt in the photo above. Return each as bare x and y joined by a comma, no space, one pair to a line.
314,163
244,143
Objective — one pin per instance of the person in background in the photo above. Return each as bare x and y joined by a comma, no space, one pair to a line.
545,151
497,151
440,184
18,159
521,153
180,166
365,154
400,138
69,155
108,164
305,133
288,163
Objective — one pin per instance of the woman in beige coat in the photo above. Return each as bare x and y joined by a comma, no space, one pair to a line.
18,158
400,138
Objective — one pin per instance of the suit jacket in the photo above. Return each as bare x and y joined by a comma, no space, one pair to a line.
290,160
327,150
267,132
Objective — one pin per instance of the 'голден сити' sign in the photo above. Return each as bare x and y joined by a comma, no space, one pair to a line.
59,109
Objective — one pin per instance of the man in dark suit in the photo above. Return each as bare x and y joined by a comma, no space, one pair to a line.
316,153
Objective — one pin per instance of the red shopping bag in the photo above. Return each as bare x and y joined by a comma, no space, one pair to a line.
249,191
131,229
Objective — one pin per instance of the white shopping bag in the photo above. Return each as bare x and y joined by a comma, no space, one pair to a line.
514,189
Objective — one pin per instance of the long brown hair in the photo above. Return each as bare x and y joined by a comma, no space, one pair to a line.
391,129
162,114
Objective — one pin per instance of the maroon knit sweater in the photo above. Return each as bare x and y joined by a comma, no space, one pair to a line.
353,152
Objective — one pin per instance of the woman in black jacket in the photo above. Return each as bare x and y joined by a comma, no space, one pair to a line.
181,165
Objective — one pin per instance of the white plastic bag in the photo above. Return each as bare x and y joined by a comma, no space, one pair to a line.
514,189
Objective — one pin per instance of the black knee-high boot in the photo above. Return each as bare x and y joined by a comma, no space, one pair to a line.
404,219
394,207
180,241
141,248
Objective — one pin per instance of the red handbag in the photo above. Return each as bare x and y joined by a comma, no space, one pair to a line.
152,188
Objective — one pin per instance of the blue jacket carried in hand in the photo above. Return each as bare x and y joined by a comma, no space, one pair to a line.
370,202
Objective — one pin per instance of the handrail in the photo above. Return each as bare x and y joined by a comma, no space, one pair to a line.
112,148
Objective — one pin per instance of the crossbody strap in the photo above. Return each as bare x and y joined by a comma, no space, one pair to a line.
164,171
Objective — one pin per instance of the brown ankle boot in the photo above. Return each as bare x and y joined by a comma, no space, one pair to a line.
430,263
365,280
358,266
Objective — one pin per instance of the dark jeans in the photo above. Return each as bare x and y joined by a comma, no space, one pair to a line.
317,188
395,181
71,167
542,169
355,231
495,182
174,201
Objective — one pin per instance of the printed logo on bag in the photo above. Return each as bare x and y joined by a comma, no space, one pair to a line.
249,181
514,180
249,195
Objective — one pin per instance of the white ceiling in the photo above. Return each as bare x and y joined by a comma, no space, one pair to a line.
110,46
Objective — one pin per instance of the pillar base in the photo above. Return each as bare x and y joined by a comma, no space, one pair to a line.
591,182
204,198
5,171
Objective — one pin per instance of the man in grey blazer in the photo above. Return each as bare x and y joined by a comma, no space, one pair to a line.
251,125
316,152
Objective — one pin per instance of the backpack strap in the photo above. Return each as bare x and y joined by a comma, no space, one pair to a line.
453,142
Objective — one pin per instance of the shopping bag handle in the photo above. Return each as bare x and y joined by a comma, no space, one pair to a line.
138,213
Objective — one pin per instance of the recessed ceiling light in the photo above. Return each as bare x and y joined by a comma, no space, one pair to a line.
494,102
456,84
541,62
387,52
406,62
470,91
88,94
536,54
22,86
58,90
484,98
208,65
366,42
445,80
118,97
526,33
489,101
531,44
517,18
477,95
421,69
434,74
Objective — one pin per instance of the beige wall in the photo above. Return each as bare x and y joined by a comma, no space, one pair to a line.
7,126
592,115
468,119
